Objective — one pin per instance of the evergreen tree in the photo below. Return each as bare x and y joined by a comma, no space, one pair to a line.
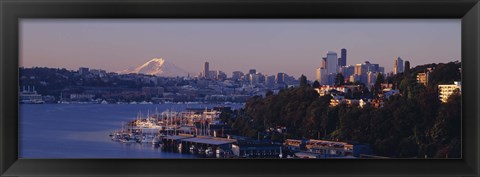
303,81
377,87
339,79
316,84
407,68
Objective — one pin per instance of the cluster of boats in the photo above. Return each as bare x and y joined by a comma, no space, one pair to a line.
135,137
155,126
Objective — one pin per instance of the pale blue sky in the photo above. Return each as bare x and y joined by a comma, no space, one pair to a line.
293,46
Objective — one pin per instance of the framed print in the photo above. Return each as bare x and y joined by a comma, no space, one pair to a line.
239,88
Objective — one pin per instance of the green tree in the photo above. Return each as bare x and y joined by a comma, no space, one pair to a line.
303,81
407,68
316,84
445,73
377,87
339,79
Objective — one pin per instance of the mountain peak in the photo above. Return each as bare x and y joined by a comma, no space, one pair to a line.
158,67
160,60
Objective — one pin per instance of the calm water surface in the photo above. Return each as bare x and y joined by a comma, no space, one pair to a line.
81,131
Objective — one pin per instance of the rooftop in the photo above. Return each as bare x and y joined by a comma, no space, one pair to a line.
209,140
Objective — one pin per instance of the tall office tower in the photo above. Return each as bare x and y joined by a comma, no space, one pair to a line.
212,74
398,66
347,71
252,71
332,62
323,62
236,75
407,67
270,80
381,70
206,71
318,74
322,76
358,69
261,78
374,67
371,78
254,78
280,78
342,61
220,75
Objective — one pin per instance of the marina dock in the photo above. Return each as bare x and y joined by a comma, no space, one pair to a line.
197,144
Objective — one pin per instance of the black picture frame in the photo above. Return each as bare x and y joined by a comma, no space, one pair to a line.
13,10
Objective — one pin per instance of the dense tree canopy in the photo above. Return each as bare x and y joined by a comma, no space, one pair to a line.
413,124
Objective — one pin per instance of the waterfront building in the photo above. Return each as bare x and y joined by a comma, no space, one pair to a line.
153,91
30,96
294,145
329,148
81,97
448,89
257,150
398,66
314,148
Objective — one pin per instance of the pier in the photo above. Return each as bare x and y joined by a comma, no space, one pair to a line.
197,144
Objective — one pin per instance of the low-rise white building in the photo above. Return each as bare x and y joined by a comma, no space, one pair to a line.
444,91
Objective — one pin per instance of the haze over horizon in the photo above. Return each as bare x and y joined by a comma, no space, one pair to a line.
291,46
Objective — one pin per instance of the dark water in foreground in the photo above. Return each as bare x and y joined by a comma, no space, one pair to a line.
81,131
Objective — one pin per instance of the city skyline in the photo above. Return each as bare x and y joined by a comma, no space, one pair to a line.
269,46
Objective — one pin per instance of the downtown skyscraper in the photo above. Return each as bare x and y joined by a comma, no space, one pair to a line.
398,66
342,61
206,70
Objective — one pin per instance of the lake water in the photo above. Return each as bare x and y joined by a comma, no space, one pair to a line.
81,130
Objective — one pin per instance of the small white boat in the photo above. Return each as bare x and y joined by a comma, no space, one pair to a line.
209,151
180,148
128,141
155,141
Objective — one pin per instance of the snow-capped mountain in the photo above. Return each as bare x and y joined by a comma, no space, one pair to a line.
158,67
